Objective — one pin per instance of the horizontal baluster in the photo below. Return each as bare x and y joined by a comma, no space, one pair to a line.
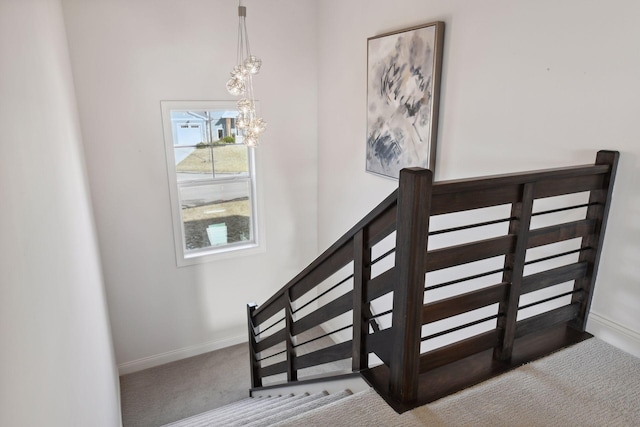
271,340
338,306
266,312
459,350
560,232
343,281
461,327
384,225
464,279
554,256
470,226
333,263
547,320
273,325
272,356
276,368
383,256
566,208
344,328
542,301
465,253
326,355
553,277
381,284
462,303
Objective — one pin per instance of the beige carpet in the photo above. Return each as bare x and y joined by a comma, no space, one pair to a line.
181,389
589,384
177,390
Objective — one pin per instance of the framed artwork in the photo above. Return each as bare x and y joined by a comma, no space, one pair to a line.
403,91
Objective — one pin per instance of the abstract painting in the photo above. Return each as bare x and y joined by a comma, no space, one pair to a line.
404,70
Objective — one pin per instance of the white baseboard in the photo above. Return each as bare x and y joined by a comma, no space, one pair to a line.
599,325
181,353
614,333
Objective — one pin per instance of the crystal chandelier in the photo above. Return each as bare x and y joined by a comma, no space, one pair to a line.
250,126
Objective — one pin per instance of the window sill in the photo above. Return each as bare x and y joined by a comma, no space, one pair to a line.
212,255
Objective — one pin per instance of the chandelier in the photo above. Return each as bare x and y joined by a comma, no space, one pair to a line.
250,127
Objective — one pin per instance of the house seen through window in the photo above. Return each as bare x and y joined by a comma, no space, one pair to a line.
212,180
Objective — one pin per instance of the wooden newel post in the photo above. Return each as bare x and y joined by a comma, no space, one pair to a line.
254,367
514,270
599,203
362,274
414,206
292,373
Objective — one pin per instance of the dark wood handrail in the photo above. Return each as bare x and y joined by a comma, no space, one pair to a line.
387,203
408,377
501,180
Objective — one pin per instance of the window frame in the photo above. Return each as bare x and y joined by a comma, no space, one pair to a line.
186,257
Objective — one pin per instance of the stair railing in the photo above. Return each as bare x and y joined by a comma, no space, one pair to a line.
413,373
353,248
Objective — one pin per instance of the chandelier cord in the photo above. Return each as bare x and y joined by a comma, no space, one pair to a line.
249,126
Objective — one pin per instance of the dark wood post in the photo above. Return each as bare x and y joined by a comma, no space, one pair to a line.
599,203
414,206
254,367
514,269
361,275
292,373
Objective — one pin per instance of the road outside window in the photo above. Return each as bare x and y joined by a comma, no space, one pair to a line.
212,180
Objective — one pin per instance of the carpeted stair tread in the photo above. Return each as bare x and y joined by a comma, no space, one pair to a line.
232,410
253,404
239,405
249,417
367,408
591,383
237,415
261,412
301,409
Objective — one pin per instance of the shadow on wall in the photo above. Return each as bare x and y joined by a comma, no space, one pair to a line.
618,287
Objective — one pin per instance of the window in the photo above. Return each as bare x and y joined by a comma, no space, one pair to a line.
212,181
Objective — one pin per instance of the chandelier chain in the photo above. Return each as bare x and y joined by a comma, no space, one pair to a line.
249,127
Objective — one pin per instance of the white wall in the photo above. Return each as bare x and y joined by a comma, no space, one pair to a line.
526,85
57,366
127,56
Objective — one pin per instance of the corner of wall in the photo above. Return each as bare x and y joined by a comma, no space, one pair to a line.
614,333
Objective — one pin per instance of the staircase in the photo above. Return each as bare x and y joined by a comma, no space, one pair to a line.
552,219
262,411
444,284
